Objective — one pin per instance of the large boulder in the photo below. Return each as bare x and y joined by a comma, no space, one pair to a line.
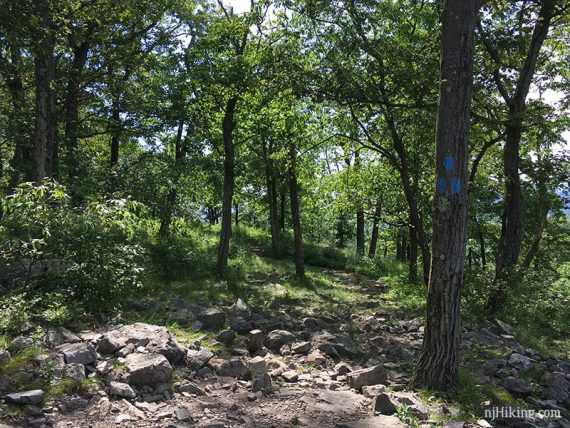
78,353
212,318
147,369
120,389
277,338
198,359
516,386
155,339
20,343
232,368
55,336
334,344
370,376
35,396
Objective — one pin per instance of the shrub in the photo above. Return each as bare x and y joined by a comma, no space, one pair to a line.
88,253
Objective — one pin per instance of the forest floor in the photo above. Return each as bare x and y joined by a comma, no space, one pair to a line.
334,350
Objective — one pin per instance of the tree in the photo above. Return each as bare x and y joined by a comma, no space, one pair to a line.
439,361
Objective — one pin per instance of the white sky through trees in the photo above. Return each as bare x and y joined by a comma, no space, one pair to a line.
239,6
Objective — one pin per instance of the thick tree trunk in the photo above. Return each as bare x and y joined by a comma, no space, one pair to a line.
439,361
115,131
71,114
282,210
236,213
228,126
295,214
375,226
172,194
44,134
360,232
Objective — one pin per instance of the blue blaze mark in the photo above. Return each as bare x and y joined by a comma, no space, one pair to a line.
441,185
456,185
448,163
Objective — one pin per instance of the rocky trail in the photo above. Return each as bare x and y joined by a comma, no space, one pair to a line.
273,366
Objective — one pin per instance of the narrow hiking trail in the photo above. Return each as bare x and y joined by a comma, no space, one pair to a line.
335,351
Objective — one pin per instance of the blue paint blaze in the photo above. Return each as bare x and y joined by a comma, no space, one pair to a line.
456,185
448,163
441,185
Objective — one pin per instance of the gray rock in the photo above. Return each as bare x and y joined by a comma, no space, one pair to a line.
20,343
342,369
277,338
232,368
255,341
520,362
120,389
226,337
290,376
374,422
35,396
74,371
301,347
557,394
198,359
331,344
212,318
370,376
372,391
313,324
183,414
55,336
192,388
78,353
240,325
383,404
516,386
555,380
505,328
147,369
5,356
155,339
261,382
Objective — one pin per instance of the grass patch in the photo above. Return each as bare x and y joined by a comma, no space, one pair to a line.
20,360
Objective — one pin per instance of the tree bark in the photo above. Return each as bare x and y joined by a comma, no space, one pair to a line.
271,196
71,114
439,361
115,131
360,231
172,194
375,226
541,225
295,213
282,210
228,126
44,63
413,256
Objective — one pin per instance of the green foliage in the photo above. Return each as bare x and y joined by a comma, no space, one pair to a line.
88,253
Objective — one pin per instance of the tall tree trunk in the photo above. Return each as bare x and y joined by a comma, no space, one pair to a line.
236,213
115,130
513,216
438,365
541,225
282,210
398,246
413,256
228,126
375,224
172,194
271,196
71,114
44,61
295,213
360,231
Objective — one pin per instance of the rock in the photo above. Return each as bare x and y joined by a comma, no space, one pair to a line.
313,324
74,371
120,389
370,376
55,336
197,325
300,347
334,344
372,391
212,318
155,339
341,400
35,396
5,357
192,388
383,404
261,382
317,358
277,338
555,380
20,343
374,422
556,394
520,362
516,386
226,337
78,353
505,328
240,325
147,369
342,369
255,341
183,414
232,368
240,305
198,359
290,376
